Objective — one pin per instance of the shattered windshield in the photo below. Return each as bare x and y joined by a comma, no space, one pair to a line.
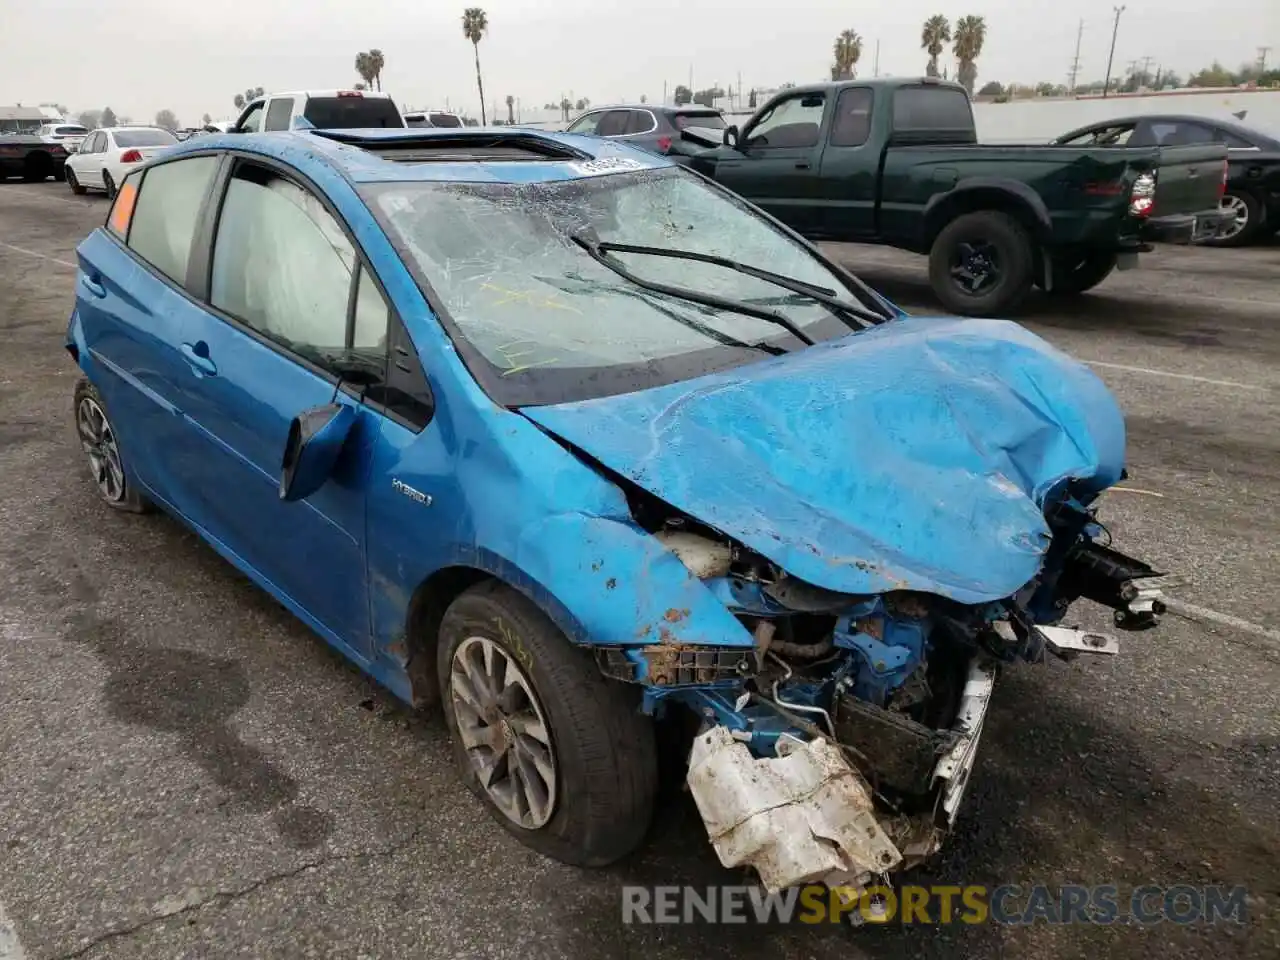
540,321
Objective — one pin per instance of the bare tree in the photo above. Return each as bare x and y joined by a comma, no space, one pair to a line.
167,119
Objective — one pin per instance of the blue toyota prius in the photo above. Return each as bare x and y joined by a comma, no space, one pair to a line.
576,444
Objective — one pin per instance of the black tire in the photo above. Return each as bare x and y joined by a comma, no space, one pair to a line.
1255,221
108,183
38,168
1005,244
129,500
74,184
1073,276
603,746
60,173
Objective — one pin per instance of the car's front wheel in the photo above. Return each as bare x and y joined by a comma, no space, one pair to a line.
73,183
101,444
561,756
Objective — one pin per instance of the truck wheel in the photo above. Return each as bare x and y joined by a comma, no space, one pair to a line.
39,167
1245,224
981,264
560,756
1075,276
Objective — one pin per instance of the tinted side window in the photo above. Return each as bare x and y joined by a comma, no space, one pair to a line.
278,113
613,124
283,265
640,121
404,391
852,123
931,108
1232,141
165,213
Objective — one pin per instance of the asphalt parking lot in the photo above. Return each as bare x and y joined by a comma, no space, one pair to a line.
186,771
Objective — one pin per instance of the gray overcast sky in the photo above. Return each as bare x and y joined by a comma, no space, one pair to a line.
141,55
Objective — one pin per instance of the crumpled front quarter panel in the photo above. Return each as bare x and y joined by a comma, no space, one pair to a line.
915,456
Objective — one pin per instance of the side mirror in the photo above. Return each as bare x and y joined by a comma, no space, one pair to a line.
731,135
315,439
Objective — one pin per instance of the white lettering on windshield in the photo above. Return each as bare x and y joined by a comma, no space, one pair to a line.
594,168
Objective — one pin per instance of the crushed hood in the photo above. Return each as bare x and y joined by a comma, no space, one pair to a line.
917,455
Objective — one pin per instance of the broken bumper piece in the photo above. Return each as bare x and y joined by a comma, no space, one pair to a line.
807,816
797,819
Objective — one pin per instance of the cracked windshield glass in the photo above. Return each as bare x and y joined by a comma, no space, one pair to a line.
503,261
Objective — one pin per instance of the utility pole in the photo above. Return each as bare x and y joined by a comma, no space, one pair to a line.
737,94
664,91
1106,84
1146,70
1262,59
1075,61
875,64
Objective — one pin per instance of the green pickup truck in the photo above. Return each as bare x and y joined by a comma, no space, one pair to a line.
897,162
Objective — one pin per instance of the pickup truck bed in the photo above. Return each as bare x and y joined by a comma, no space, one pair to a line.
897,162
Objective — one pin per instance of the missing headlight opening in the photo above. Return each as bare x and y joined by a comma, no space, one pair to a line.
837,732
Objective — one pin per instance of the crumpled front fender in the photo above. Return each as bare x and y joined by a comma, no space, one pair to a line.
614,585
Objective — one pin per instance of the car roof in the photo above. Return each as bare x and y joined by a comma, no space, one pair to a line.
1229,124
372,94
132,126
548,156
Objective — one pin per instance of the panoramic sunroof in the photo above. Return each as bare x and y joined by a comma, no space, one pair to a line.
458,147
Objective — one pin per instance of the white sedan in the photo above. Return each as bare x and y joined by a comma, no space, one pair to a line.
107,156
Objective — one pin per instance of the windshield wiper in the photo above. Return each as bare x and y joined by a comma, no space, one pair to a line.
595,251
823,295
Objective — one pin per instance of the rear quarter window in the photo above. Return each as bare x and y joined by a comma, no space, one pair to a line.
168,203
347,113
931,108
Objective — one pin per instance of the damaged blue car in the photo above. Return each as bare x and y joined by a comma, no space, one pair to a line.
577,444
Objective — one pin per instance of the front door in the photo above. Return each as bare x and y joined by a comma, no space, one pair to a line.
283,284
775,164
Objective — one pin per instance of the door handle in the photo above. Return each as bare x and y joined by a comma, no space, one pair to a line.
197,355
802,164
95,287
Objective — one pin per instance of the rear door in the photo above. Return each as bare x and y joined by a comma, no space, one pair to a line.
133,302
286,309
776,163
88,165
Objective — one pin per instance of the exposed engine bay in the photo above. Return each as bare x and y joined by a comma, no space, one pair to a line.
835,744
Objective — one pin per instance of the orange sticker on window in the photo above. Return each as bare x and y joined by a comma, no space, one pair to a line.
122,212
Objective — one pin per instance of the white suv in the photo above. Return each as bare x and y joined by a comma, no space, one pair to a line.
70,135
319,109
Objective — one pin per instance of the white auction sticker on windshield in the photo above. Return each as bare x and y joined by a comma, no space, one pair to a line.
594,168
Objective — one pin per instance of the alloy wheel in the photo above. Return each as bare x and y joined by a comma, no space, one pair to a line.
975,266
504,731
1239,221
98,440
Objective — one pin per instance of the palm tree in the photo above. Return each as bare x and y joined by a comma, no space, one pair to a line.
364,67
847,50
377,61
933,39
971,33
511,110
475,23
